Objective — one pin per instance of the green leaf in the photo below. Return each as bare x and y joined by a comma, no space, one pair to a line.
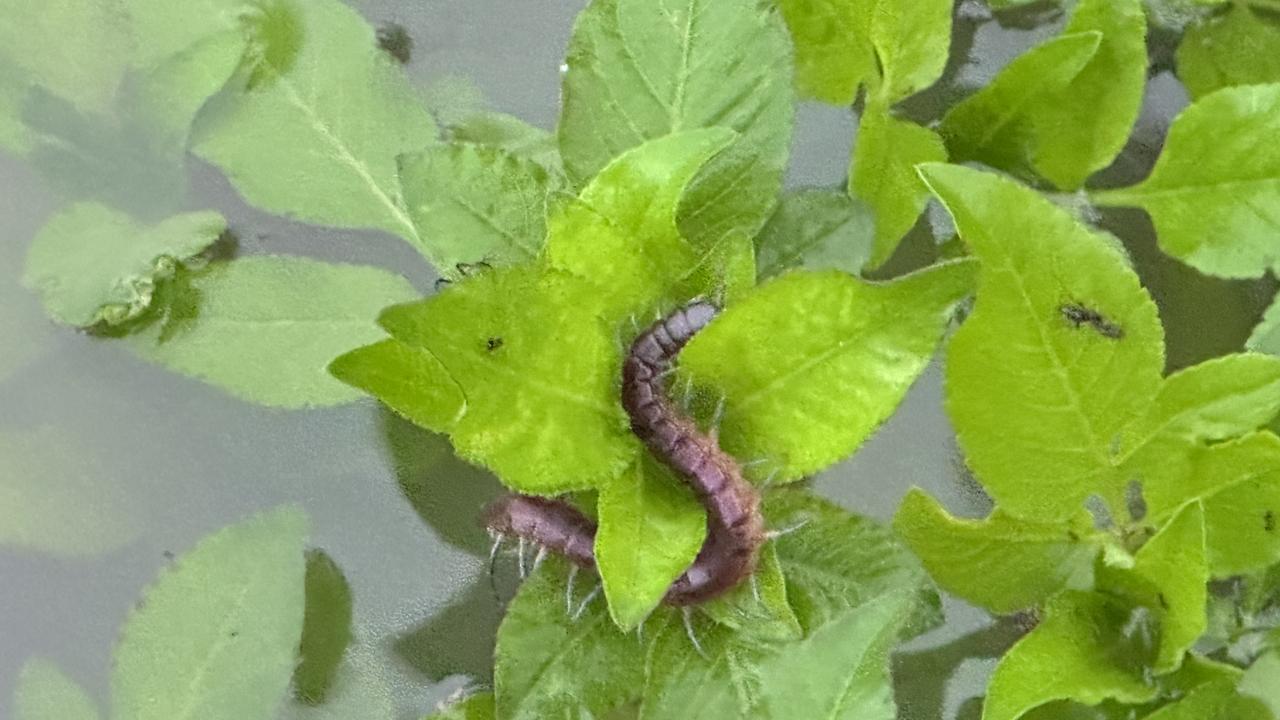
621,233
640,69
475,204
824,342
166,28
266,327
1240,47
361,689
834,56
1262,681
92,264
1039,420
635,509
854,589
326,628
1078,652
883,173
1168,576
74,49
539,373
1214,192
1216,400
549,664
816,229
476,707
1081,127
1001,563
911,44
45,693
997,125
758,609
1266,336
1239,484
316,138
217,635
408,379
54,498
1213,701
513,135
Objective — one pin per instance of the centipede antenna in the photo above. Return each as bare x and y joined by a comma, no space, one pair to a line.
590,596
688,391
753,463
687,613
520,553
537,559
493,566
755,588
568,589
785,531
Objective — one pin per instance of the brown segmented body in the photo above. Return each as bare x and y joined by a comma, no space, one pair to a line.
735,528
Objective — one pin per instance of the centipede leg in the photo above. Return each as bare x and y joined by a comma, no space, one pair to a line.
568,589
687,613
583,607
755,588
493,566
768,480
716,417
772,534
520,553
537,559
688,392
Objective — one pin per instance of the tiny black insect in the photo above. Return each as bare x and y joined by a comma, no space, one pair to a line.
1269,521
1164,602
1073,536
493,343
1079,315
469,269
395,41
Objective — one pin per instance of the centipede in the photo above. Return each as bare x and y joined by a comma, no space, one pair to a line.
735,525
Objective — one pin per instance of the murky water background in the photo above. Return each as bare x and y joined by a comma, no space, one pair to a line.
388,502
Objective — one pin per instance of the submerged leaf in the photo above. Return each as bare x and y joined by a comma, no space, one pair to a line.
316,137
45,693
54,498
641,69
93,264
217,635
1214,194
843,350
476,707
266,327
326,628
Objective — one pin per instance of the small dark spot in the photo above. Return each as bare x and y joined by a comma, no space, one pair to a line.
1269,521
493,343
469,269
396,42
1080,315
168,554
1073,536
442,282
234,633
1164,602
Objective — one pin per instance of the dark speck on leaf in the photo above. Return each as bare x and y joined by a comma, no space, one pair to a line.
1073,536
1164,602
1081,315
1269,521
493,343
235,633
168,554
396,42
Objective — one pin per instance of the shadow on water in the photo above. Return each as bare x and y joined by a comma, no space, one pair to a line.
457,640
920,678
448,493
